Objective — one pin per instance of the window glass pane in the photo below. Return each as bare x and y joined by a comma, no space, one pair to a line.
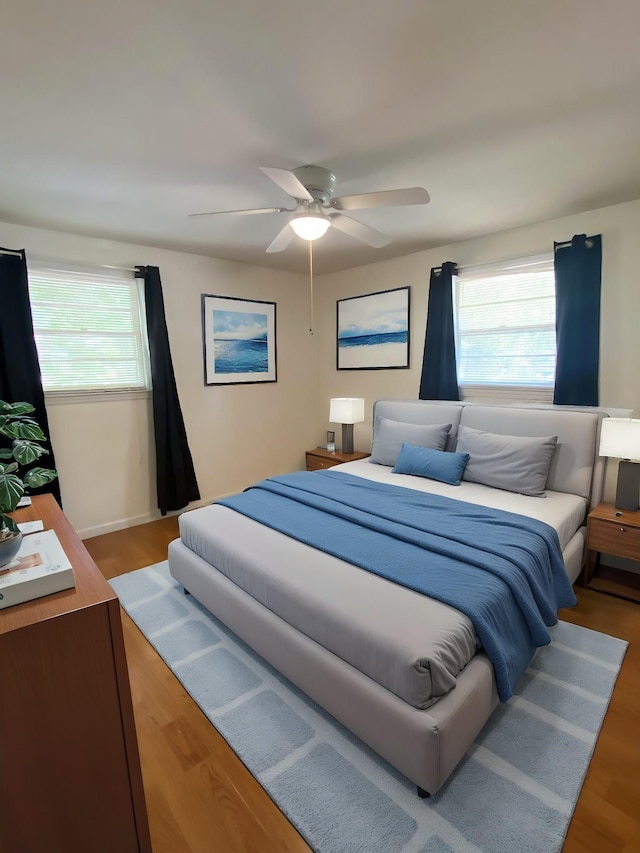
505,324
510,314
88,329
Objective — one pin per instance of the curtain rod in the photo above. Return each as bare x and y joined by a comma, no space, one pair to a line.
438,270
44,260
121,269
538,257
588,243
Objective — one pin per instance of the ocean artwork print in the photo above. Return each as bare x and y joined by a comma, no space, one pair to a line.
239,340
373,330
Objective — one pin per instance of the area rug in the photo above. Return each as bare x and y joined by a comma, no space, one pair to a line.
514,791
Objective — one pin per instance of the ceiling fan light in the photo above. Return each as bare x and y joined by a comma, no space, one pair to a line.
310,226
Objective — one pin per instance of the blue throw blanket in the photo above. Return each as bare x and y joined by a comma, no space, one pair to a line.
504,571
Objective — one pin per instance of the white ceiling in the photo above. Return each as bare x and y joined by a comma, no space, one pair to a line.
119,118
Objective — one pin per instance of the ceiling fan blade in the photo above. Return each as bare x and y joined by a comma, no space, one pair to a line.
280,243
360,231
288,182
250,212
386,198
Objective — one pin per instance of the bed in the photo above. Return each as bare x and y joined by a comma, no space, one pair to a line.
406,673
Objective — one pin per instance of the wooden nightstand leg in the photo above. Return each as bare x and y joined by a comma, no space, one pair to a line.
590,566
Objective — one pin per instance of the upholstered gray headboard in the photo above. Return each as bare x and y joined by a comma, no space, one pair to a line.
576,467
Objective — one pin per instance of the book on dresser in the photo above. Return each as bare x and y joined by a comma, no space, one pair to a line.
40,567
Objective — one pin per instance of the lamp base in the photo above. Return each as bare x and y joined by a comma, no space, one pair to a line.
628,490
347,438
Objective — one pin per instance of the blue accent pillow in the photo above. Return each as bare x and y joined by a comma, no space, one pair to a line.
434,464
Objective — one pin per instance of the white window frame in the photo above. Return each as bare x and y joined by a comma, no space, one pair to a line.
534,392
71,275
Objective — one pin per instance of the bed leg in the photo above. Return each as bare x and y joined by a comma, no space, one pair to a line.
422,793
186,591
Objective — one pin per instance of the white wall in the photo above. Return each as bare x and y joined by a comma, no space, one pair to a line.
619,342
237,434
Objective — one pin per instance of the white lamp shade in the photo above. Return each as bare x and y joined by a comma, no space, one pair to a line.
310,226
620,438
346,410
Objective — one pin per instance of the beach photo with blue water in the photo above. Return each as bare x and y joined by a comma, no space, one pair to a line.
373,330
240,342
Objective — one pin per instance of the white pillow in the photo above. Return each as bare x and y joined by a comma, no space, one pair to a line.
515,463
388,437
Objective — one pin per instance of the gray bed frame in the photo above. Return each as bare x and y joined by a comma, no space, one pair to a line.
424,745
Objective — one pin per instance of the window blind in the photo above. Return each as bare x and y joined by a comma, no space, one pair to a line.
505,323
88,327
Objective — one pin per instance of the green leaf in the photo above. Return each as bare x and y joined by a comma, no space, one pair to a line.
9,523
11,468
25,452
7,453
37,477
8,428
15,408
24,428
11,490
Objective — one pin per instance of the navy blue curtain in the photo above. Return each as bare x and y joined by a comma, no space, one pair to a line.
578,267
439,380
175,474
20,378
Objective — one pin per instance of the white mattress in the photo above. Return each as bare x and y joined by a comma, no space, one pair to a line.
566,513
410,644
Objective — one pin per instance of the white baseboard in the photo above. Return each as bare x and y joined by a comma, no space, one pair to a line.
135,520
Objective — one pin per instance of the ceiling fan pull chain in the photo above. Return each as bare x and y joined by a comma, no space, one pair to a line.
311,286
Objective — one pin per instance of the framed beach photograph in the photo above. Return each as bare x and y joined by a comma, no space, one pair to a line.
239,340
373,330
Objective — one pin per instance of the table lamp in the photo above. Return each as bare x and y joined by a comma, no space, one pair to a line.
620,439
346,411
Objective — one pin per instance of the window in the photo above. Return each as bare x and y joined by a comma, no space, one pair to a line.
505,325
88,327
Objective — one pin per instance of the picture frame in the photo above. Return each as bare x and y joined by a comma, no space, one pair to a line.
373,331
239,340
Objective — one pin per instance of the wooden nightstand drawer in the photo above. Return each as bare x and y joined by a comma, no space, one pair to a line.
319,459
616,538
315,463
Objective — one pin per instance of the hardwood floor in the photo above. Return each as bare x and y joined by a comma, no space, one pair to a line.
201,799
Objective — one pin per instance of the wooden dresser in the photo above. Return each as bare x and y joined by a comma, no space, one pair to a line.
70,776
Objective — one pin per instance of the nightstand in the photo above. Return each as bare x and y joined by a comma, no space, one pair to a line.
617,533
320,458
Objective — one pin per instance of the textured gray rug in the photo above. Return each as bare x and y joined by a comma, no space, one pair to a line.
514,791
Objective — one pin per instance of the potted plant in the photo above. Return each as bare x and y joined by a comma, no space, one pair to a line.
20,447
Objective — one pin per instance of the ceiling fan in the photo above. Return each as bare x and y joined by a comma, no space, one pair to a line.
312,188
